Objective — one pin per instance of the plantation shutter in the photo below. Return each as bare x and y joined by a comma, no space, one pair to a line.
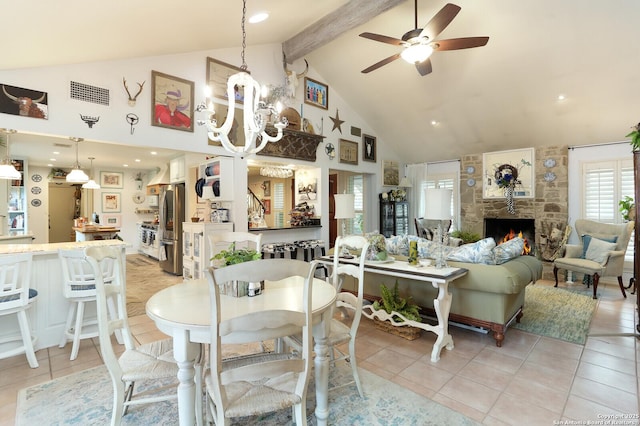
278,205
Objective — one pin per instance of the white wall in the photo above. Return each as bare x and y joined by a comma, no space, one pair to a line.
265,64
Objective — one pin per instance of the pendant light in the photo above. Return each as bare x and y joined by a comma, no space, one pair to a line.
7,169
92,183
77,175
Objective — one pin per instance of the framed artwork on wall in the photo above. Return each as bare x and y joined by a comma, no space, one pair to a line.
218,73
390,173
513,167
111,179
111,202
267,206
316,93
369,148
111,220
236,134
266,188
25,102
171,102
348,152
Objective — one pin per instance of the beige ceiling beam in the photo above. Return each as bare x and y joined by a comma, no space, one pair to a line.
351,15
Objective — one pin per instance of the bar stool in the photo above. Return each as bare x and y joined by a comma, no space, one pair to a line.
80,288
15,298
279,249
309,251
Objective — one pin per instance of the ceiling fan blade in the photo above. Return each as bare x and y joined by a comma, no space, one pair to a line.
383,39
440,21
381,63
460,43
424,67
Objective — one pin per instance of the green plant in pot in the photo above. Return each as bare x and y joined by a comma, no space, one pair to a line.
627,208
232,256
466,236
392,302
635,137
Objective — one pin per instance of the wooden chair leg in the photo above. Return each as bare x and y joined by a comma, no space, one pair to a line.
555,274
622,286
596,279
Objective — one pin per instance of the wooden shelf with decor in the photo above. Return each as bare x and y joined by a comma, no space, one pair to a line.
294,144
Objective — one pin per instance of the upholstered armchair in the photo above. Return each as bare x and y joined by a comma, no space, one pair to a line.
601,252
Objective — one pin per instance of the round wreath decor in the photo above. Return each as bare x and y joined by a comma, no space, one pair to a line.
506,176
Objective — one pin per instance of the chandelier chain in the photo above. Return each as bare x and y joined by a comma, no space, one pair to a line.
244,34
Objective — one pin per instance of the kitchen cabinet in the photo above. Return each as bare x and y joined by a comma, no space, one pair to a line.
218,178
17,209
394,218
196,253
177,170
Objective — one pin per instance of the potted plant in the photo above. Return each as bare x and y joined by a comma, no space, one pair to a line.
466,236
398,309
231,256
137,177
627,208
635,137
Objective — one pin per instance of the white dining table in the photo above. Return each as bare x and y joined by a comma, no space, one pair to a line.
183,312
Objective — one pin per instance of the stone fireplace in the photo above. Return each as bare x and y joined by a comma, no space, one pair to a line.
504,229
548,208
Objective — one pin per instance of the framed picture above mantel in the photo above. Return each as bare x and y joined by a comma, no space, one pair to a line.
513,168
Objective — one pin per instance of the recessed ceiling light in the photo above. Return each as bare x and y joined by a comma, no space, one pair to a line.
137,160
52,159
49,165
434,123
562,97
258,17
56,152
154,153
125,165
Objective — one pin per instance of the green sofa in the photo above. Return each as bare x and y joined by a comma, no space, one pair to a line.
489,296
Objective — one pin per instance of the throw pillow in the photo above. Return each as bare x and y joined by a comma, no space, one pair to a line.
508,250
598,250
478,252
397,244
586,240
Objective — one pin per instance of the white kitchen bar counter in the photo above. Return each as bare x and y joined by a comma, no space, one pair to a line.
49,312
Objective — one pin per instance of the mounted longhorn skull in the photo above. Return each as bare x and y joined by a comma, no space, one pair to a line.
26,106
132,99
292,78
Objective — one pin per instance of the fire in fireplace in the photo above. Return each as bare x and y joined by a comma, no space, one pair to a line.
505,229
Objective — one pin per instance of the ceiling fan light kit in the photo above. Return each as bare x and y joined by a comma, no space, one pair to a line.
420,43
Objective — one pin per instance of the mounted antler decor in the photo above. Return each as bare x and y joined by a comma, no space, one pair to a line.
132,99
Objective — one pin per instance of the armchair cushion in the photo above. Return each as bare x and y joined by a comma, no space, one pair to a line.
586,240
599,250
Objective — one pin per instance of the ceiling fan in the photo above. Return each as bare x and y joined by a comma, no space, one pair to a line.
420,43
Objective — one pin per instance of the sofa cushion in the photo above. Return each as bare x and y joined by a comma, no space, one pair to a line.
599,250
397,244
586,240
478,252
508,250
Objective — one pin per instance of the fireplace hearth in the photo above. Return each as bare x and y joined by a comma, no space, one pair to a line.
502,229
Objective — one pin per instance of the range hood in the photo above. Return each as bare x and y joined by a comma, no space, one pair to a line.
162,177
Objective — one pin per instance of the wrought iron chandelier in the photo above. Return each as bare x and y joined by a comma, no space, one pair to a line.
256,114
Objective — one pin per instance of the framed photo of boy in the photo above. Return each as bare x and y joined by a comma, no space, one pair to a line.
369,148
316,93
218,73
171,102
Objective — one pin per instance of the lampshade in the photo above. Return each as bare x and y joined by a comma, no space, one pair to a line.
416,53
92,184
404,183
77,175
345,206
438,201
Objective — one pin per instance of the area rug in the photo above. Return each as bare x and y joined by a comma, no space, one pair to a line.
144,279
85,399
553,312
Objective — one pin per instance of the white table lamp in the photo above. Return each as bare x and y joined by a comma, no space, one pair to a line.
345,209
438,201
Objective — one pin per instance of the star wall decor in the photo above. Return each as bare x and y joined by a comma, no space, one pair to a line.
337,123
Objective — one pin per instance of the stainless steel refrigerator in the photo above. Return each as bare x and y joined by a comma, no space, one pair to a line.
172,206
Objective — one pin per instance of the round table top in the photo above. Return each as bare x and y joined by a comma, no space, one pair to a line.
187,305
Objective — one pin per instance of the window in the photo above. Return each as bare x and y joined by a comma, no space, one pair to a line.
605,183
355,185
440,181
278,205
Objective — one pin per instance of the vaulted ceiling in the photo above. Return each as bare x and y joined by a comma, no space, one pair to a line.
500,96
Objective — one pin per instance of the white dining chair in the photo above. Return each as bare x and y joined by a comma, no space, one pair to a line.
79,286
263,382
152,362
222,240
15,299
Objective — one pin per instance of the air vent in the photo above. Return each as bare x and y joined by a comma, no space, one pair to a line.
87,93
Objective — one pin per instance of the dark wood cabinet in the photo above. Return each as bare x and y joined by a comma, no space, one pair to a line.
394,217
636,238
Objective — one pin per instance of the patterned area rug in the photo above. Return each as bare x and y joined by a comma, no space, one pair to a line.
554,312
144,279
85,398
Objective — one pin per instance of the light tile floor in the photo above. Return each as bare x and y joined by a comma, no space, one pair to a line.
531,380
